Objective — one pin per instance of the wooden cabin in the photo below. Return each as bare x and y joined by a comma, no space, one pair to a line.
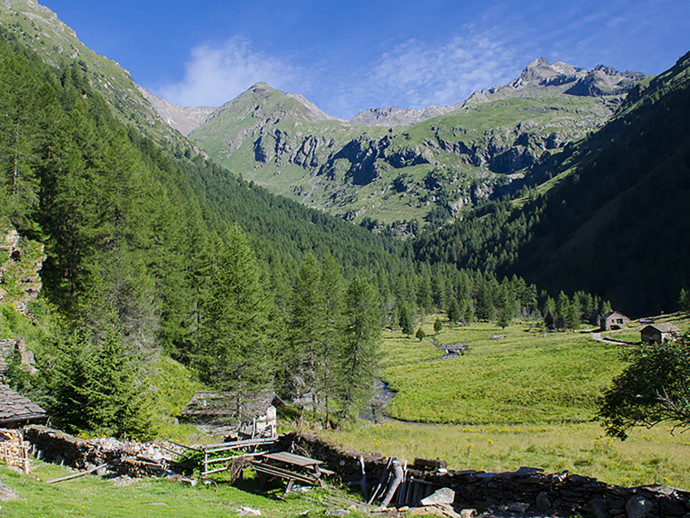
17,411
613,320
248,416
658,333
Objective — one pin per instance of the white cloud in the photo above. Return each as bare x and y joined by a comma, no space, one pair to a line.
216,75
419,74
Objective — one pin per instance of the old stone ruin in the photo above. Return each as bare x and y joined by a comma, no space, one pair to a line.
390,487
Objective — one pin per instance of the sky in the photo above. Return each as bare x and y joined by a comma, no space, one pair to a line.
347,56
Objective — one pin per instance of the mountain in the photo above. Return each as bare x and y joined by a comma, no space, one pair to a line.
38,28
391,164
607,215
183,119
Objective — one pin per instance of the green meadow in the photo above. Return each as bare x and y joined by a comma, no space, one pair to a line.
518,397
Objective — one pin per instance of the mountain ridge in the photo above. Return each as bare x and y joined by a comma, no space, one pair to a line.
427,170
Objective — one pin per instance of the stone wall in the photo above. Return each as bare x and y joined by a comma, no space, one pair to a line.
530,489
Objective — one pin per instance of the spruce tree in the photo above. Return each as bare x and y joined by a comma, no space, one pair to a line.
404,318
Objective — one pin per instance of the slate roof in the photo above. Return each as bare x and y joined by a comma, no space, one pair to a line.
663,328
16,410
223,405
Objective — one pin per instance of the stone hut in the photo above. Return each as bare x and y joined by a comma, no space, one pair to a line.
245,416
657,333
17,411
613,320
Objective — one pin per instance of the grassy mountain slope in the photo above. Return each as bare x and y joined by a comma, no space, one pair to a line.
39,29
429,169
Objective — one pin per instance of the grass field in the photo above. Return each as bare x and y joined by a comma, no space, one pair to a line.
91,496
521,398
511,375
646,457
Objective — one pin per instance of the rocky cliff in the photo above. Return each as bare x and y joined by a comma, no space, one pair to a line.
20,263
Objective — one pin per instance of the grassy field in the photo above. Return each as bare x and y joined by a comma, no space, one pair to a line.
646,457
520,397
511,375
95,497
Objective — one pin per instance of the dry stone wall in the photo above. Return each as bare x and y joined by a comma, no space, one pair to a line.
530,489
122,458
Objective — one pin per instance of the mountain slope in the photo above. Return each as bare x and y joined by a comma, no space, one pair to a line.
39,29
607,215
624,207
366,168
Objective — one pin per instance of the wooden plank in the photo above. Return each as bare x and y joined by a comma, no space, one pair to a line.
77,475
241,443
293,459
217,470
276,472
233,457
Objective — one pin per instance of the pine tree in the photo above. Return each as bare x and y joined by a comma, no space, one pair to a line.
438,325
332,289
454,314
306,326
404,318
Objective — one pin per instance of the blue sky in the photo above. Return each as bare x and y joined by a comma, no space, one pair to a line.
346,56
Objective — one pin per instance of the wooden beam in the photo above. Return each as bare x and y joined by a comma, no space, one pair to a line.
77,475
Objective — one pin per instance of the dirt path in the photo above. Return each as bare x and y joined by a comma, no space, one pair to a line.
604,339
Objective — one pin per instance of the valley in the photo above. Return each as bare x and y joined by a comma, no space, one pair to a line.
151,252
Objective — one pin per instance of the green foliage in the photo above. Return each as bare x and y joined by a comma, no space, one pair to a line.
404,318
654,387
420,334
93,387
359,358
438,325
236,334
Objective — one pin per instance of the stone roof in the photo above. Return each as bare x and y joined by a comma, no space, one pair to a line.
16,410
224,405
663,328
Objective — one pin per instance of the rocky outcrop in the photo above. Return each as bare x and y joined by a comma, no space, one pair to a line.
183,119
8,348
20,263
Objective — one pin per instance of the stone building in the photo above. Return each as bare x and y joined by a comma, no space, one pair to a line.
244,416
613,320
17,411
658,333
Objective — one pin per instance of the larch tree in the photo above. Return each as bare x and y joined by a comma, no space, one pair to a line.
359,357
235,336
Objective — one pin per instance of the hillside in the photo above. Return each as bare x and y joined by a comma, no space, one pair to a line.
39,29
607,215
392,164
623,208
